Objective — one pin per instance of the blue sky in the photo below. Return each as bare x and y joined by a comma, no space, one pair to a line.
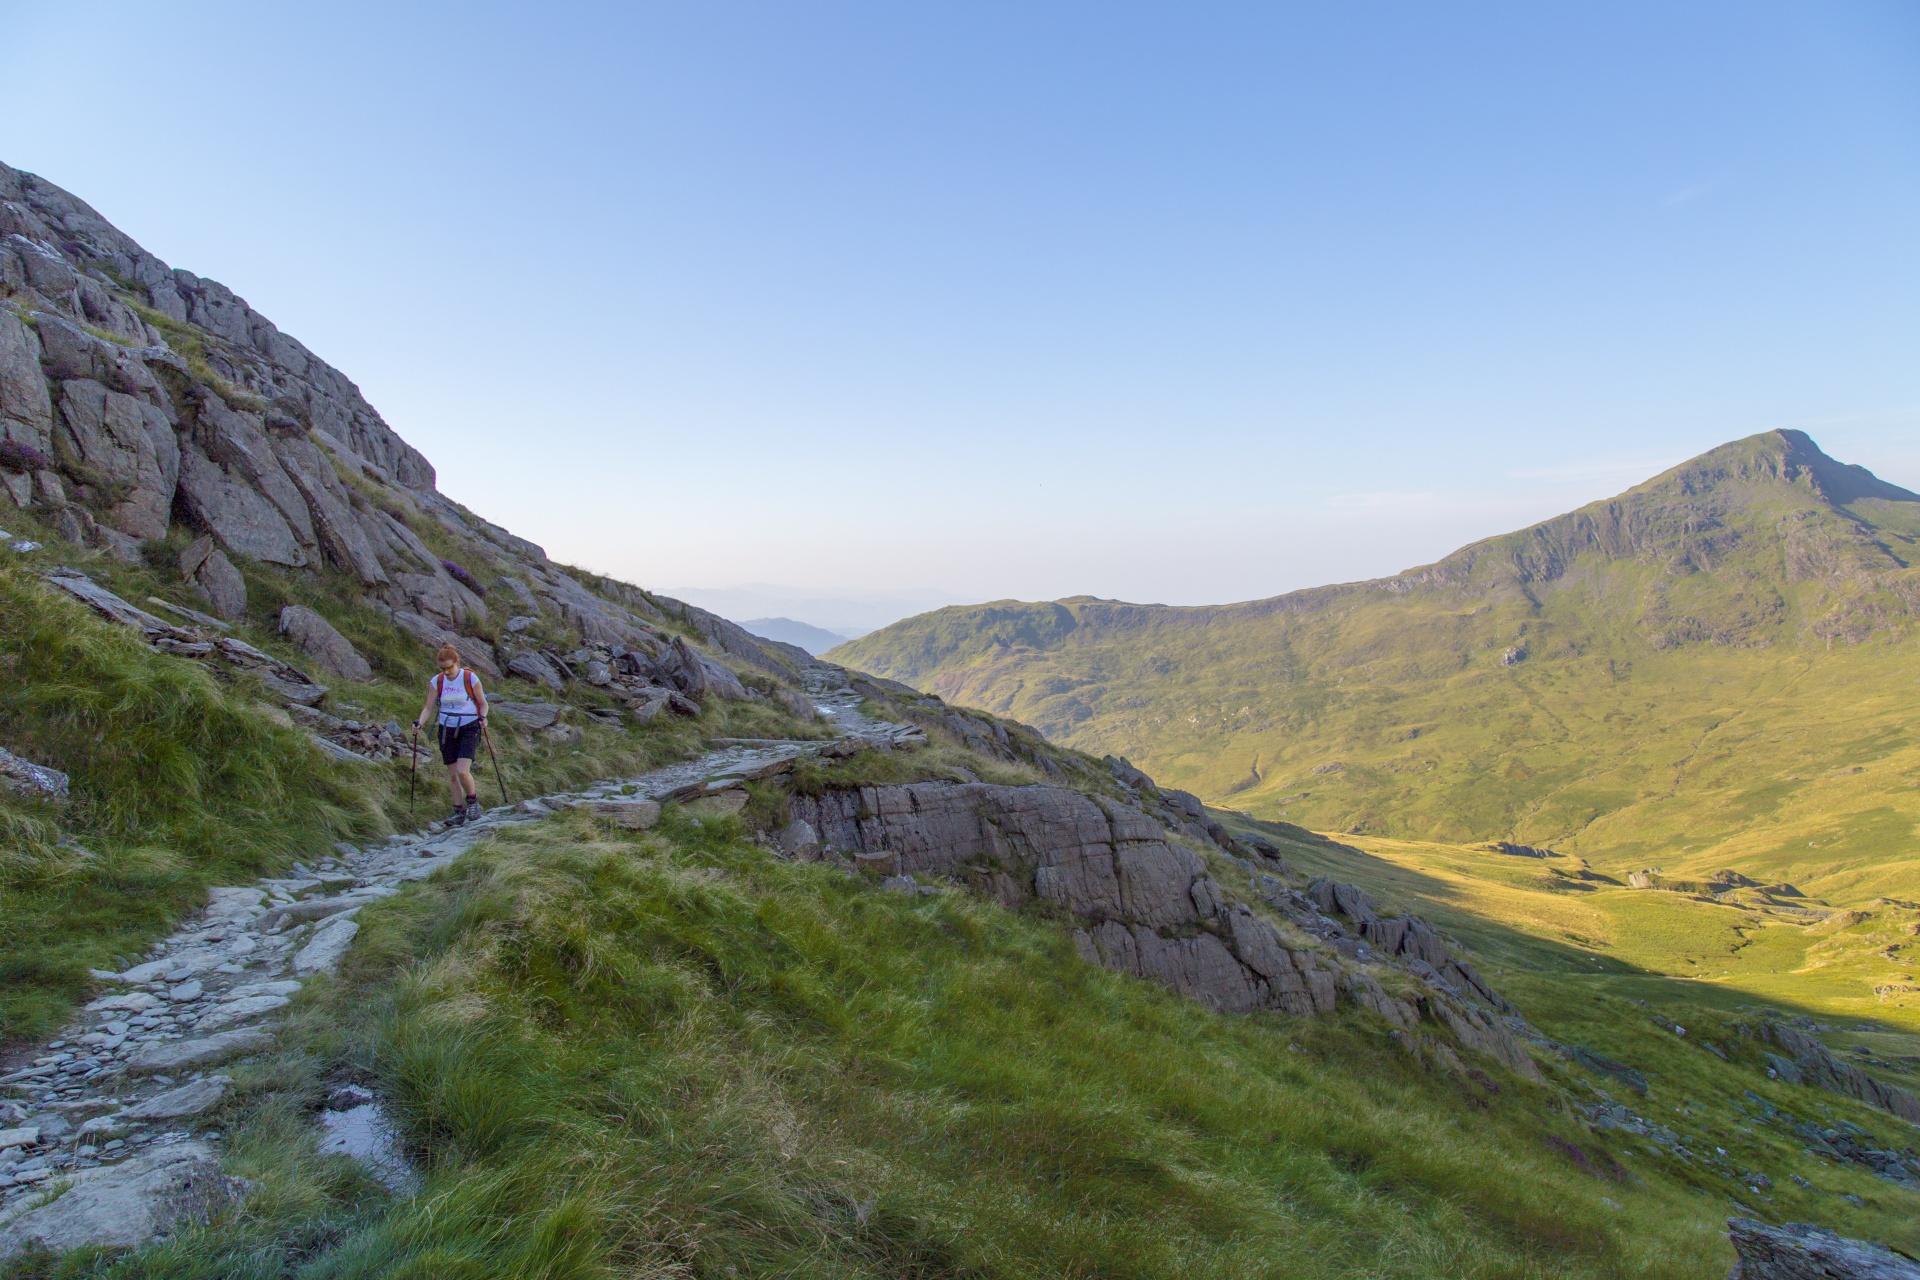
1163,302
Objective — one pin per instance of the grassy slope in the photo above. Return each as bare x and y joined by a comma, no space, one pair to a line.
1718,674
181,780
672,1055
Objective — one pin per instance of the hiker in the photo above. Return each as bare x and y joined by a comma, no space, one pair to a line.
463,716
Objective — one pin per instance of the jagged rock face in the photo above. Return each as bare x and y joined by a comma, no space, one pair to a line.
1814,1064
1147,905
53,244
248,438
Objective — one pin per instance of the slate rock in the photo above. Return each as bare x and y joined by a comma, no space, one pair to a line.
1802,1251
799,840
23,388
534,715
317,638
797,704
23,777
110,438
537,669
246,1008
163,1056
125,1205
719,805
329,942
187,1100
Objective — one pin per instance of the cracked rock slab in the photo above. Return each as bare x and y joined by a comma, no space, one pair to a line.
125,1205
182,1055
187,1100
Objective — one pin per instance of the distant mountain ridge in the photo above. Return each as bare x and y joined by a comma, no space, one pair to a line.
815,640
1540,686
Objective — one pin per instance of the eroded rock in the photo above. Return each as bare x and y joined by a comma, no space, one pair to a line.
1802,1251
125,1205
317,638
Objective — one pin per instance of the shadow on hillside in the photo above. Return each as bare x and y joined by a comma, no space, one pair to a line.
1497,946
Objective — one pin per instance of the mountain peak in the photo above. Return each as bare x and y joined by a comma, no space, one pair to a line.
1789,455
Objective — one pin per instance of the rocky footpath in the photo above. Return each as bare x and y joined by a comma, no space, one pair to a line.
120,1113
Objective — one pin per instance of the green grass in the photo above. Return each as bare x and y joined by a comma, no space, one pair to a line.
181,780
177,782
674,1055
1661,718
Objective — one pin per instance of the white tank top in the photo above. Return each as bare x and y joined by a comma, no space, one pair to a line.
457,708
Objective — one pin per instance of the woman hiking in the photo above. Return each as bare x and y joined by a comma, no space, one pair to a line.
463,715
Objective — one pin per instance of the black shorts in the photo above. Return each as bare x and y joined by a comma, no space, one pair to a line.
459,742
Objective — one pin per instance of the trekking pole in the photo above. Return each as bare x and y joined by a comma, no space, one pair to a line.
498,776
413,766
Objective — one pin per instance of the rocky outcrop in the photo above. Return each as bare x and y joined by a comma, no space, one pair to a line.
1813,1064
1142,902
134,396
1802,1251
1416,943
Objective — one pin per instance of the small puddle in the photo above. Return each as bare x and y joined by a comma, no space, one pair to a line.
367,1135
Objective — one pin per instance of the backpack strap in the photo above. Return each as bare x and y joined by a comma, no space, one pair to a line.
467,679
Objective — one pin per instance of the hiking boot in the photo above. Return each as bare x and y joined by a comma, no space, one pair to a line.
473,811
457,819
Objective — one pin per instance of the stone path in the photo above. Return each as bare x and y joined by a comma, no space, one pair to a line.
108,1106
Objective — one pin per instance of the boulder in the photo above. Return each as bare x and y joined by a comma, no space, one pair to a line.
537,669
534,715
1802,1251
316,638
1813,1063
796,704
23,777
240,518
682,664
125,1205
799,840
1107,863
477,654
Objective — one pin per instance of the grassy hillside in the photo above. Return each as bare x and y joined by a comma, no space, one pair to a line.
181,779
673,1055
1714,669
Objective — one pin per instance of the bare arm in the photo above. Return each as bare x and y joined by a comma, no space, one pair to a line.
420,721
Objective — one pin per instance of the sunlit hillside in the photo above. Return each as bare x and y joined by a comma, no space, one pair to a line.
1712,670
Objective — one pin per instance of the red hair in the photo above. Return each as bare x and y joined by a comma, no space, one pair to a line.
448,654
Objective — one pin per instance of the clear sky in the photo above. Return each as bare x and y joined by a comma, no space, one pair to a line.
1179,302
